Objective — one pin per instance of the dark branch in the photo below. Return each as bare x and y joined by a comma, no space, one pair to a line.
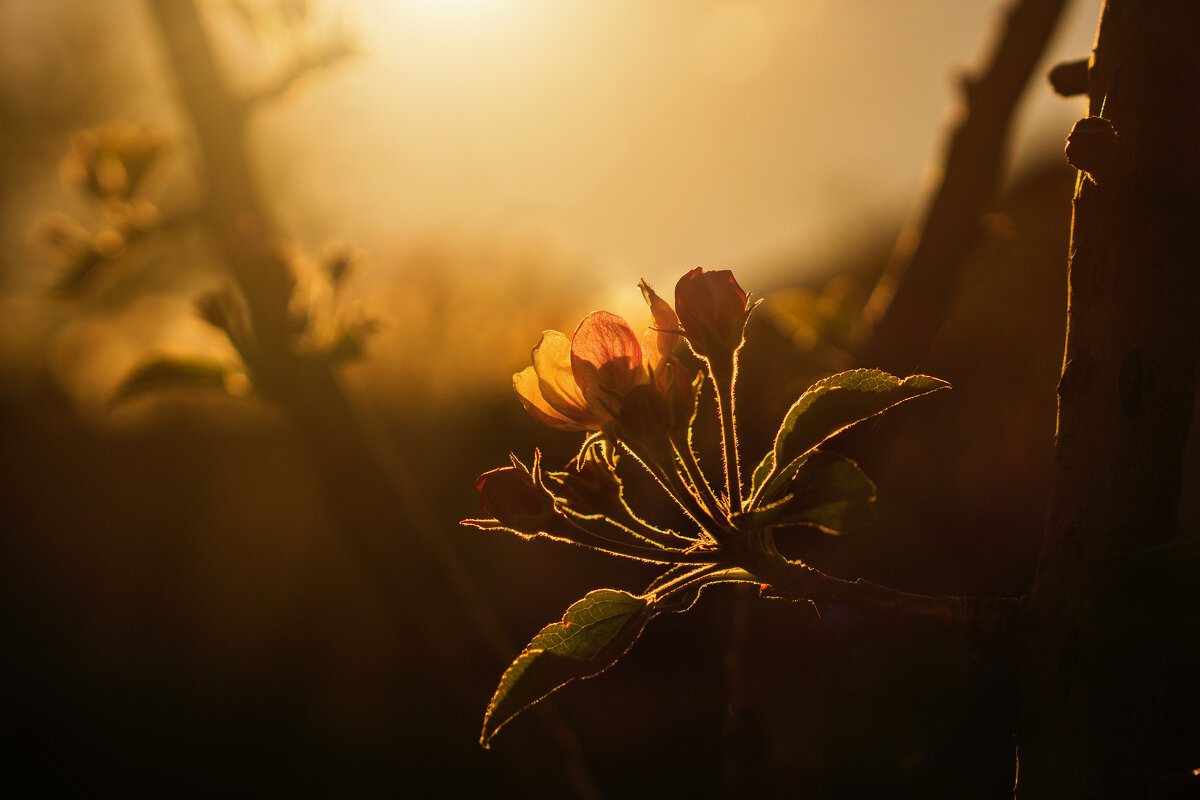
912,298
982,619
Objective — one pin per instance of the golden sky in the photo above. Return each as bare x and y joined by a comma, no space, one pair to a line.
652,135
608,139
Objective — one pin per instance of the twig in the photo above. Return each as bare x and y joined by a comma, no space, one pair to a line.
336,49
912,298
991,619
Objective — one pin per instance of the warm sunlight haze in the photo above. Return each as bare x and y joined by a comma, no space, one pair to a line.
600,398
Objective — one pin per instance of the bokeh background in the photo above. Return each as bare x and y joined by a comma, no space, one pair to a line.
180,613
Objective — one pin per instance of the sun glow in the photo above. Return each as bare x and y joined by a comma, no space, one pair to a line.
454,9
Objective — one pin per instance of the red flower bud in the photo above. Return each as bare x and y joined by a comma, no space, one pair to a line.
712,310
510,495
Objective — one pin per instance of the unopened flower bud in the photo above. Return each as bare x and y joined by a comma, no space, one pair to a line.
712,310
510,495
589,488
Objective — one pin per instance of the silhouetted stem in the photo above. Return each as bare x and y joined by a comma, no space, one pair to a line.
724,374
673,483
695,476
686,579
994,618
596,538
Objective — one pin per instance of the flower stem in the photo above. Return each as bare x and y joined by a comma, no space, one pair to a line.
724,373
695,476
683,494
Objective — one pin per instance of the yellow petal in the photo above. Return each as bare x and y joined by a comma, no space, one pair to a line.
552,363
527,387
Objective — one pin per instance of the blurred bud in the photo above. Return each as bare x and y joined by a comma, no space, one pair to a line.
110,176
108,244
111,160
237,383
712,310
143,216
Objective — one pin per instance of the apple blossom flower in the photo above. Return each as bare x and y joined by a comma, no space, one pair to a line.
579,383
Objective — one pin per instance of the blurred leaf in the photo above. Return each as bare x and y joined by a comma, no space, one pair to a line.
593,634
824,489
827,408
171,372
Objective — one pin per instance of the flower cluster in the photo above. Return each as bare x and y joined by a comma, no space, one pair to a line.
634,395
583,383
627,390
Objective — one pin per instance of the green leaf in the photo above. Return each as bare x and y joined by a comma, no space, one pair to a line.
593,634
822,489
762,472
830,406
170,372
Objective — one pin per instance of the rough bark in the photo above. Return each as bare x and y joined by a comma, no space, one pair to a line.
1109,689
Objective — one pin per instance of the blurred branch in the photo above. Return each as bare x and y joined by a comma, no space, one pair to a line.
337,48
357,464
912,299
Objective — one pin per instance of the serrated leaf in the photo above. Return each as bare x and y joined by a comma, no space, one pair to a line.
819,488
170,372
593,633
830,406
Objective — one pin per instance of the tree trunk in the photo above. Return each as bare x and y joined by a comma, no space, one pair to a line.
1110,688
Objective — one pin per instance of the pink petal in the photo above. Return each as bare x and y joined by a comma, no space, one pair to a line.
606,359
661,338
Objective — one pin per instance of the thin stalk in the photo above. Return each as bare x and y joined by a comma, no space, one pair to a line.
695,476
690,577
723,378
678,489
976,618
644,532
